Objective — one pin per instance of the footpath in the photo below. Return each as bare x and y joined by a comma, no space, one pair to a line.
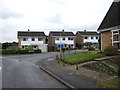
71,79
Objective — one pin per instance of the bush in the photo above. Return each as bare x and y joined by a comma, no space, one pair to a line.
110,51
22,51
19,51
8,51
37,51
90,48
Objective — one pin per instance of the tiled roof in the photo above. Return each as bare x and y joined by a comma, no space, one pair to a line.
112,17
30,33
58,33
87,33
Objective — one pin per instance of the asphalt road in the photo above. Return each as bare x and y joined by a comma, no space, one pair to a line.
22,71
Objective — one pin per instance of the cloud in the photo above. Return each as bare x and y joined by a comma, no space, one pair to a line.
6,13
54,19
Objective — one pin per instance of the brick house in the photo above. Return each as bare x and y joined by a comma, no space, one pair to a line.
110,27
35,39
59,39
86,36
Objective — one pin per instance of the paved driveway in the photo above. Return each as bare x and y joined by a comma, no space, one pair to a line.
21,71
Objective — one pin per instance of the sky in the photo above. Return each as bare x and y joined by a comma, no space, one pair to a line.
50,15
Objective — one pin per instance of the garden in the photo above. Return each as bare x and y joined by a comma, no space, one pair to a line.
80,57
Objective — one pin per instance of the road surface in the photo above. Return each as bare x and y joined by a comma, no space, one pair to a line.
22,71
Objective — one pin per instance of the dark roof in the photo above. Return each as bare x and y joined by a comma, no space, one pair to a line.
112,17
88,33
57,33
30,33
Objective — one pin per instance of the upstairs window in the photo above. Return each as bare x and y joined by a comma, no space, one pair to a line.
96,37
24,39
40,39
32,39
91,37
70,38
57,39
63,39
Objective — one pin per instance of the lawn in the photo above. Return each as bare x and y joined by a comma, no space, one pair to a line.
79,57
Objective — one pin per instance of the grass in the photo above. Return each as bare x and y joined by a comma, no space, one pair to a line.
81,56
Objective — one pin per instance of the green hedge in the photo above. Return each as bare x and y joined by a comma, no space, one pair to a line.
19,51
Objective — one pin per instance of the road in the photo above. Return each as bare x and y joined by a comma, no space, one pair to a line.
22,71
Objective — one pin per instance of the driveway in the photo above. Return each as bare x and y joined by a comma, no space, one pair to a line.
22,71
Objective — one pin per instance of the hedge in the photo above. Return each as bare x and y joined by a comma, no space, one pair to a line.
19,51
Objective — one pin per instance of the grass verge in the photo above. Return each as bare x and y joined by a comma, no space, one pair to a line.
80,56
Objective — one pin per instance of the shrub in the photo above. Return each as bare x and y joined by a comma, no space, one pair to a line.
87,44
21,51
37,51
110,51
90,48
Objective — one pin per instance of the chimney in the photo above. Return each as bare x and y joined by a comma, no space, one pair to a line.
84,30
28,30
63,30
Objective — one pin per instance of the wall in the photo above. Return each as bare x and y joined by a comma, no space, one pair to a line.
106,39
29,42
94,40
66,41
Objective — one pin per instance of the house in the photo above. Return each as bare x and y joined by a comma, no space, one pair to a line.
87,36
34,39
13,45
110,27
61,39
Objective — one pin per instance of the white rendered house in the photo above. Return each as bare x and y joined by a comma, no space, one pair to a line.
35,39
61,39
87,36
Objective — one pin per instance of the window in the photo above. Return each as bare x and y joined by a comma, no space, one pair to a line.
116,38
33,39
86,37
22,47
57,38
24,39
91,37
35,47
116,35
63,39
69,38
96,37
39,39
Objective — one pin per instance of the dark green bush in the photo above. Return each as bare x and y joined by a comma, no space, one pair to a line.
9,51
90,48
110,51
37,51
19,51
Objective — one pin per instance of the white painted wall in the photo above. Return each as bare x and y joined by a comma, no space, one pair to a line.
66,41
30,42
94,40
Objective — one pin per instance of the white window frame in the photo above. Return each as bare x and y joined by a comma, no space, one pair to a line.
118,37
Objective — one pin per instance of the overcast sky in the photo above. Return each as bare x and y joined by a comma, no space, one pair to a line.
48,15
